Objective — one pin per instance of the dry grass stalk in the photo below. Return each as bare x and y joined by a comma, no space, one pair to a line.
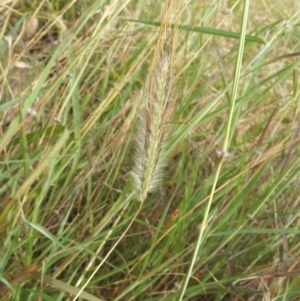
154,124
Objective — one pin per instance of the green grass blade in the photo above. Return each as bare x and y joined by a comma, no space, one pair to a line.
206,30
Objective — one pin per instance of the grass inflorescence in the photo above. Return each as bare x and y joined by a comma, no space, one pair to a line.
154,123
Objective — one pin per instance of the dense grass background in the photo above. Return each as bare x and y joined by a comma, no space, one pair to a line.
72,78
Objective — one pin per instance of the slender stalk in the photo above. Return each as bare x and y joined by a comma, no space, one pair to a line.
204,223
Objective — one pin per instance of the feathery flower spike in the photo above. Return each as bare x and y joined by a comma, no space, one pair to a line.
153,128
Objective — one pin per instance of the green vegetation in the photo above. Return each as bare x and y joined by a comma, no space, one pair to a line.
223,223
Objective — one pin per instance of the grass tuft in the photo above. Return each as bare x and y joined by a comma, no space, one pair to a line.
225,223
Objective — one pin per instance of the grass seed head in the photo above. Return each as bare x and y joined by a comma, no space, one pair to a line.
153,127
